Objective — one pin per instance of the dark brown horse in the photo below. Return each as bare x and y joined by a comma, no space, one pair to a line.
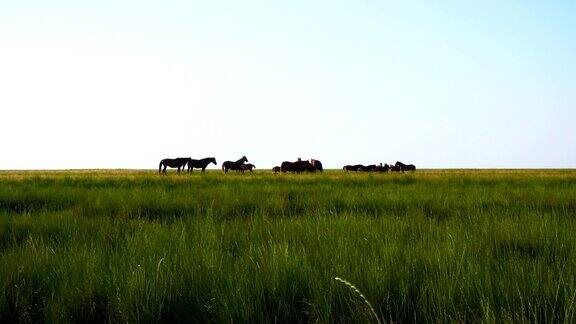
276,169
173,163
200,164
234,165
395,168
248,166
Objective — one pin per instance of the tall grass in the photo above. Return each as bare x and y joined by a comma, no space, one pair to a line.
435,246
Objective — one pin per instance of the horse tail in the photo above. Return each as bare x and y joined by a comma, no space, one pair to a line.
224,166
160,167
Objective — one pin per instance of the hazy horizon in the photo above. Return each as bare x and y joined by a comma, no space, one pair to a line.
124,84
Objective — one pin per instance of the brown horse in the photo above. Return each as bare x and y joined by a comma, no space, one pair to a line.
234,165
248,166
276,169
173,163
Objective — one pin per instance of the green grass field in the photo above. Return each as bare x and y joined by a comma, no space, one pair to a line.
434,246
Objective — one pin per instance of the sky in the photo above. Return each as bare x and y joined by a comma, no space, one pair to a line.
123,84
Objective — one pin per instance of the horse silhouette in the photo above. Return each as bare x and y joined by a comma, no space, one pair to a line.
382,168
355,167
405,167
248,166
298,166
200,164
173,163
367,168
234,165
276,169
317,165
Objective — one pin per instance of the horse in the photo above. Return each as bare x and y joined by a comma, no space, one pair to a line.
405,167
248,166
276,169
317,165
298,166
395,168
200,164
368,168
173,163
382,168
234,166
355,167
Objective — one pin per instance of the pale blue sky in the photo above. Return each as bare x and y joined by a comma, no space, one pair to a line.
122,84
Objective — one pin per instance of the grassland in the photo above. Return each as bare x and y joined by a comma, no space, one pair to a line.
434,246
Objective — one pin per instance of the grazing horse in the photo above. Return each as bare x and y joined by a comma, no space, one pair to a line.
234,166
248,166
276,169
200,164
298,166
382,168
355,167
317,165
173,163
405,167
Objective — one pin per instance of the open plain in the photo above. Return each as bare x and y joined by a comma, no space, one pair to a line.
432,246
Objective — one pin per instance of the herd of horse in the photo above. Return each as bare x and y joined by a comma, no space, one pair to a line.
397,167
188,165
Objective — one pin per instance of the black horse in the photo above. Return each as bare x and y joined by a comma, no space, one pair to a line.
173,163
405,167
355,167
248,166
317,165
200,164
368,168
234,166
382,168
298,166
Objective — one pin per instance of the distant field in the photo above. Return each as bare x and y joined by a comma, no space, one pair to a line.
433,246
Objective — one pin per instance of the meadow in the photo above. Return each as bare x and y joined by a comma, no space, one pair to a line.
430,246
